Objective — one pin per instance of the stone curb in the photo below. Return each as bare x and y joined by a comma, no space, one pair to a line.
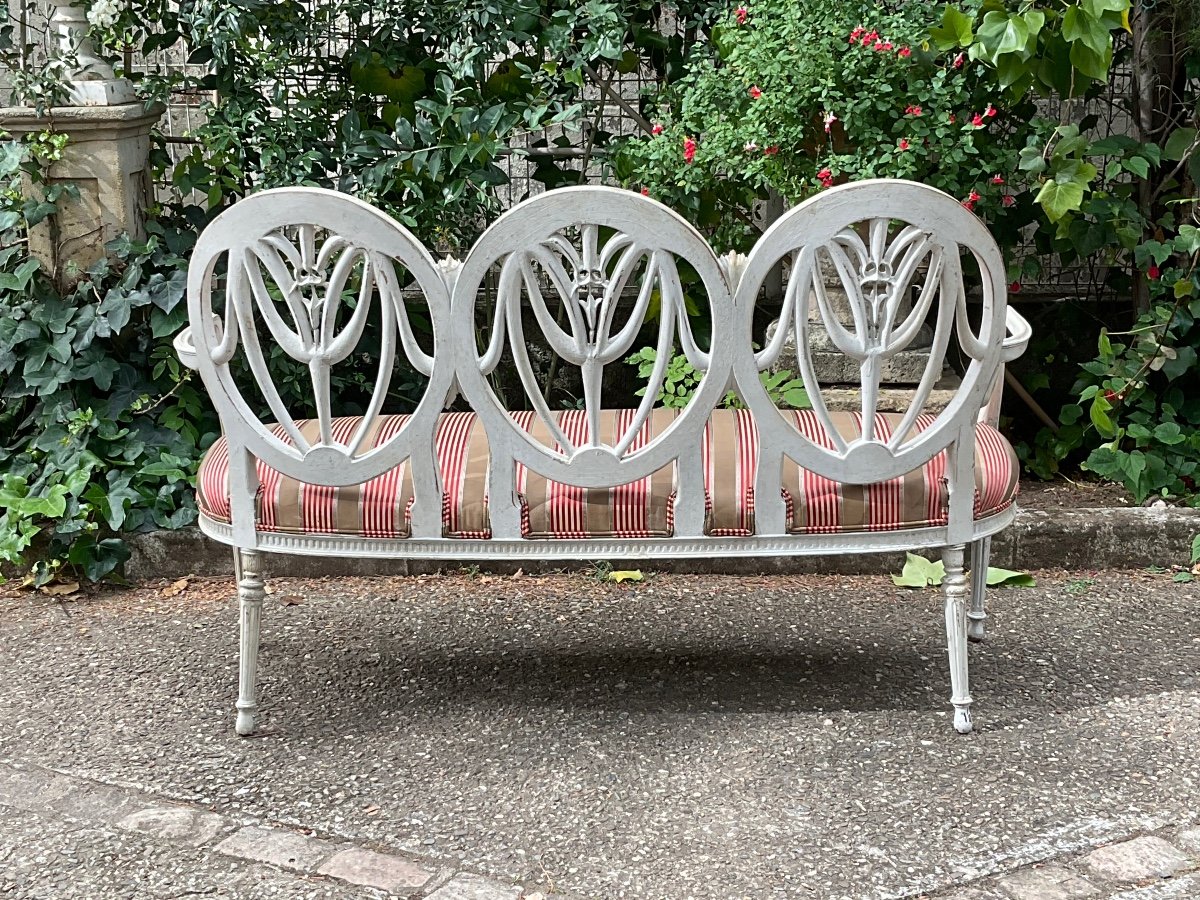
54,795
1087,539
1163,866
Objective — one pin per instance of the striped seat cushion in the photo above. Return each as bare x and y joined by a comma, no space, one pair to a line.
380,508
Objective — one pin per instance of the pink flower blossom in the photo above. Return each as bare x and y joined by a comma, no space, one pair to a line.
951,118
977,120
657,129
959,60
912,109
742,15
825,177
770,151
990,111
645,192
1152,272
1008,200
830,118
755,92
689,150
904,53
750,146
887,45
903,145
997,178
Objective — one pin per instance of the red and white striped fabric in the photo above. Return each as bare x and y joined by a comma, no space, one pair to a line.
380,508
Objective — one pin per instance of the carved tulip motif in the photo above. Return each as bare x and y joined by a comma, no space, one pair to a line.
589,279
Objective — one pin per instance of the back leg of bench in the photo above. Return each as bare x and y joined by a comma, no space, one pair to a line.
977,615
251,591
954,588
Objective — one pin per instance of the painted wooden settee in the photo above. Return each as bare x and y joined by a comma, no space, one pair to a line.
584,274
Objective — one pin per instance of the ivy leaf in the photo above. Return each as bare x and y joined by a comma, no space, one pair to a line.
1195,549
1058,199
997,577
1138,166
919,572
19,279
1179,143
625,575
1100,418
1090,63
955,30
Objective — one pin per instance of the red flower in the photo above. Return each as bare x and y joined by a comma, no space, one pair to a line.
958,61
952,118
1151,273
904,53
645,192
912,109
825,177
689,150
971,200
657,129
770,151
887,45
977,120
870,37
877,46
755,92
1112,396
1008,200
1015,287
990,111
997,179
854,35
903,145
742,14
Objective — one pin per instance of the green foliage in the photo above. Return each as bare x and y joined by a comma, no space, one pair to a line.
1059,49
681,379
1137,415
919,572
800,96
100,429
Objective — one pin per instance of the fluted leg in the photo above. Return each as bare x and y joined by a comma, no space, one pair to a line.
954,586
250,598
977,615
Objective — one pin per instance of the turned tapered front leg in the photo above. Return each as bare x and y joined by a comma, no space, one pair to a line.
250,598
981,550
954,587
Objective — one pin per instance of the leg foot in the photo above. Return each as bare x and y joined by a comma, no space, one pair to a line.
954,588
977,615
251,591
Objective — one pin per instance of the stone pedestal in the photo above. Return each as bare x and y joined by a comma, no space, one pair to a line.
106,158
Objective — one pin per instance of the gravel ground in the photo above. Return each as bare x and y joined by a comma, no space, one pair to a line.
681,737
